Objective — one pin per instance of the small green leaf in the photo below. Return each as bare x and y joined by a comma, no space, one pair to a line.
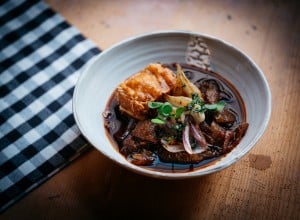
154,105
210,106
220,105
165,109
157,121
216,106
179,111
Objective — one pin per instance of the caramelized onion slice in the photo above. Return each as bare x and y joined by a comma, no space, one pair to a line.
184,86
178,101
173,148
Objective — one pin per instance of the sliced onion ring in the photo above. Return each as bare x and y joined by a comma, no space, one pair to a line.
186,139
187,144
173,148
198,137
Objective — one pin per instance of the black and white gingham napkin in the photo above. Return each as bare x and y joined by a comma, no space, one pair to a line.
41,56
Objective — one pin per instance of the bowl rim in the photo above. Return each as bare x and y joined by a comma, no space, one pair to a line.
170,175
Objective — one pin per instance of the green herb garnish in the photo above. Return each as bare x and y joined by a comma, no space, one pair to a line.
197,105
157,121
216,106
154,105
179,111
195,101
165,109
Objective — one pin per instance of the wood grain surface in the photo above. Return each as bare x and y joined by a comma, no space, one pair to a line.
264,184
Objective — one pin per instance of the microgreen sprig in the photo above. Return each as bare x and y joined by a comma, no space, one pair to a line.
197,105
178,112
165,111
219,106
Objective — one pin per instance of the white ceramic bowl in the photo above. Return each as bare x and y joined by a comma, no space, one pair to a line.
103,74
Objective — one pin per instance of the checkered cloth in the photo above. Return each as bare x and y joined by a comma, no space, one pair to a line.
41,56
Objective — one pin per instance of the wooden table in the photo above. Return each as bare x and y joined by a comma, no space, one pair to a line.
262,185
